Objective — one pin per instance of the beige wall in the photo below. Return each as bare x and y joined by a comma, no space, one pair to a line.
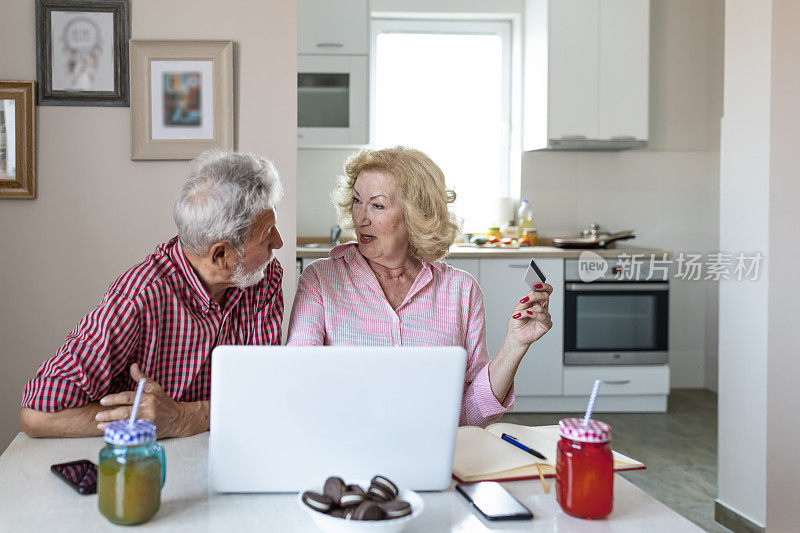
97,212
783,370
759,345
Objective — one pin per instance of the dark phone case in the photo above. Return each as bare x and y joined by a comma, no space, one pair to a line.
519,512
80,475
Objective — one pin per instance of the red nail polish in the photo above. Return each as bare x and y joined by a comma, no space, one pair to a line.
524,300
530,312
539,286
517,315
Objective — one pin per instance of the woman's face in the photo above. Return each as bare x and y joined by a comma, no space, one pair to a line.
378,219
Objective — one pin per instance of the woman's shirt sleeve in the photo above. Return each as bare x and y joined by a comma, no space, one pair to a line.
307,322
479,407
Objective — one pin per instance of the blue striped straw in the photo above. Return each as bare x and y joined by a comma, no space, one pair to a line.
592,398
139,391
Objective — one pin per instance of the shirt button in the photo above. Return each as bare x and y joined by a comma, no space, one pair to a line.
395,319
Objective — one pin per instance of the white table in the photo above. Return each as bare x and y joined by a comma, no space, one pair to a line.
33,499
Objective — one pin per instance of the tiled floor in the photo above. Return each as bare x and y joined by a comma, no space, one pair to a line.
679,449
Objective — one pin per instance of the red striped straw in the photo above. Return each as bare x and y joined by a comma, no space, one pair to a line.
592,398
139,391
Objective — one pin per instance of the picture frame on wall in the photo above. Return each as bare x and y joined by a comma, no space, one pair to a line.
82,52
181,98
17,139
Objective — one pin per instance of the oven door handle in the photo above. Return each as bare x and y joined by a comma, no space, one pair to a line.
622,287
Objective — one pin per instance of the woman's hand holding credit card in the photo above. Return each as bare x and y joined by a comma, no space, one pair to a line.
530,318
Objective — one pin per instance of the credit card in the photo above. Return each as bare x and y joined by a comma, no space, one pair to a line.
534,276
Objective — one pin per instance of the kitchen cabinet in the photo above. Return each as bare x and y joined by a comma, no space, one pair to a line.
333,27
502,283
617,380
586,74
332,78
331,100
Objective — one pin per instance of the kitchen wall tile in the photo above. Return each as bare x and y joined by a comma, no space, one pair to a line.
550,171
630,171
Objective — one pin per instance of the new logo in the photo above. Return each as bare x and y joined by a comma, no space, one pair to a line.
591,266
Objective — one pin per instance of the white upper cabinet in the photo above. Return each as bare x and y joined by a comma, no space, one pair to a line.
572,80
586,74
333,27
623,85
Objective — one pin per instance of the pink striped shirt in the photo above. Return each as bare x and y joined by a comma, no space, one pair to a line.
340,302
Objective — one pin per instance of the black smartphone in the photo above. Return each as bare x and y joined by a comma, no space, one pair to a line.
493,501
80,475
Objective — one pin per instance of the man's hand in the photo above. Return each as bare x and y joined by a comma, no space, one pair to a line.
172,418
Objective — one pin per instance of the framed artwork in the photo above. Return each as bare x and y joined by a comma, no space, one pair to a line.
82,52
181,98
17,140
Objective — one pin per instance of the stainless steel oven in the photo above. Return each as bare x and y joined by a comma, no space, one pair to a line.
610,321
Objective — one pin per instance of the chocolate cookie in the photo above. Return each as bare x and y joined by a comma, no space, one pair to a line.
378,494
318,502
338,512
356,488
366,511
396,508
350,498
386,484
334,487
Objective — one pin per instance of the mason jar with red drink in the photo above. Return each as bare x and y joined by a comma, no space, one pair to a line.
585,468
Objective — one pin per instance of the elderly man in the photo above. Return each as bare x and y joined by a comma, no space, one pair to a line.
215,283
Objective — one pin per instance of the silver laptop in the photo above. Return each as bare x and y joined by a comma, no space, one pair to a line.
283,418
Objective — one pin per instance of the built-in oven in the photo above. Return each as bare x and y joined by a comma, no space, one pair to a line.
618,317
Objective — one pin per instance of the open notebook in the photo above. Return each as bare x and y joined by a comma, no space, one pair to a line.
481,455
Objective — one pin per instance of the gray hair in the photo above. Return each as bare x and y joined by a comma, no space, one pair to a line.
221,198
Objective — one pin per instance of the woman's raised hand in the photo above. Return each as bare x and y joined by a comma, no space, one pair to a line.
531,317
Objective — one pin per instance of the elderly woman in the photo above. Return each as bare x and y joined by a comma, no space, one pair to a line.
390,287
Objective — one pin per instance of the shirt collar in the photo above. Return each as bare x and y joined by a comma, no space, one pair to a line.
349,252
195,287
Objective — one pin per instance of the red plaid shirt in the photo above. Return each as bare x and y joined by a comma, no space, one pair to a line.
159,315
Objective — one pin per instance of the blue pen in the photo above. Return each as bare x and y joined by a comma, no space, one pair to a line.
512,440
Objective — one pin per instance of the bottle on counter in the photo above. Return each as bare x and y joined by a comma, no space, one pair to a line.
524,216
584,468
131,473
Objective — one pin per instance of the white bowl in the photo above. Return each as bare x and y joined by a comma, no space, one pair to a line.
333,524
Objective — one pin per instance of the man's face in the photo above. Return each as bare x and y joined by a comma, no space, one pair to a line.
264,238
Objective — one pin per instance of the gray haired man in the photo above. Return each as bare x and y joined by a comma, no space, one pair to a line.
216,283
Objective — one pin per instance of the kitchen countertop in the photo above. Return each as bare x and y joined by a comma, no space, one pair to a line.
467,252
36,500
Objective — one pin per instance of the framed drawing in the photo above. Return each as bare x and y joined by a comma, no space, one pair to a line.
82,52
181,98
17,140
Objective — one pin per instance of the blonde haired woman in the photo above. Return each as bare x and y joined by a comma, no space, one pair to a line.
389,288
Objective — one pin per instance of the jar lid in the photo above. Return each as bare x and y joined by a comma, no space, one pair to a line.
594,431
120,433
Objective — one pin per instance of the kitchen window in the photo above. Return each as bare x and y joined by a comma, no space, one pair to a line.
444,87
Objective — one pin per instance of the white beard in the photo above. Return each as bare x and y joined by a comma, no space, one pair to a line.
244,279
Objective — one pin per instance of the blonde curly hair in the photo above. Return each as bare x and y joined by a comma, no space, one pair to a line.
420,187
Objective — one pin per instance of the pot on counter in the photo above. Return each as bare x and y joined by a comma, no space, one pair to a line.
592,237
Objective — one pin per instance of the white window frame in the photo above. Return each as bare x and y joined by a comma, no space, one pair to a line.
499,27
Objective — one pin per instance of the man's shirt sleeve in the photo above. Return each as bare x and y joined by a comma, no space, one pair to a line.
96,351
